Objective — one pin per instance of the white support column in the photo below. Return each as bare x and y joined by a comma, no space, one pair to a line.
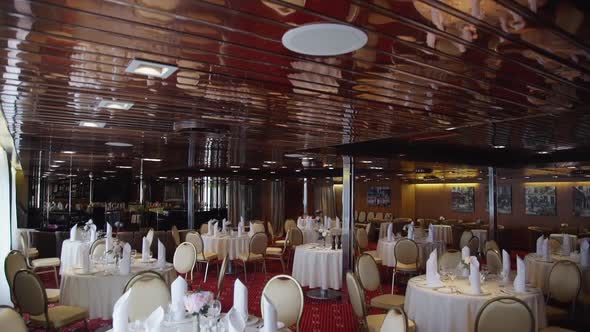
305,197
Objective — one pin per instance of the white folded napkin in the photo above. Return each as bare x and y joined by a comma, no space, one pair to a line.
300,222
125,263
92,233
540,245
546,250
241,298
210,227
215,230
109,238
338,223
269,316
121,313
465,252
145,250
224,226
240,230
309,224
520,280
242,220
327,223
161,255
154,321
505,265
235,321
251,230
85,252
474,280
178,290
584,253
74,233
390,232
566,245
368,227
432,276
430,233
411,231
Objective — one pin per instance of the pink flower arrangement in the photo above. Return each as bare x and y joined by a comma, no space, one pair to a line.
198,302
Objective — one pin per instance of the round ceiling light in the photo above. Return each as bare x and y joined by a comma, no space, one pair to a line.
118,144
324,39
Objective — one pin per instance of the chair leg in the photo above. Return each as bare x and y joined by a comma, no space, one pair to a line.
392,281
217,264
245,273
55,275
264,266
206,271
86,326
283,264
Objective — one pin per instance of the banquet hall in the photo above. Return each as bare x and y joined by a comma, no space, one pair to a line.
294,165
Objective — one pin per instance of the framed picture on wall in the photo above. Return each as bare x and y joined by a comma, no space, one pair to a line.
581,201
379,196
504,199
463,199
540,200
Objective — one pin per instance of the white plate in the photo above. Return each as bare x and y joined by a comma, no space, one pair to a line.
80,272
511,291
467,291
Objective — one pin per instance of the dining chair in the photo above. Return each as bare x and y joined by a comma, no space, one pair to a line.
369,276
491,245
405,252
175,235
493,261
504,313
150,236
271,232
289,223
278,253
203,256
563,283
258,227
31,298
379,216
221,276
16,261
148,292
11,320
50,263
204,229
362,217
465,237
397,320
98,248
185,257
356,296
295,239
256,253
449,260
362,243
286,295
30,252
473,245
555,245
370,216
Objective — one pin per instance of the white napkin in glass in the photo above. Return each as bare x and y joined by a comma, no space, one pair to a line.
390,232
338,223
74,233
269,316
411,231
92,233
309,224
540,245
161,255
223,226
242,220
430,233
121,313
474,280
85,252
235,321
145,250
566,245
432,276
210,227
327,224
178,290
125,263
584,253
241,298
505,265
215,230
251,230
519,281
546,250
240,230
109,238
154,321
368,227
465,252
300,222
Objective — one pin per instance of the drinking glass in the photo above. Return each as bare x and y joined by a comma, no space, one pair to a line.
214,309
133,253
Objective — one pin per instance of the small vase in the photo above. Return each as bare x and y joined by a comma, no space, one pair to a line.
333,242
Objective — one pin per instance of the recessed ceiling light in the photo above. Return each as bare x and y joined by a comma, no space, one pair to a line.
498,146
283,166
255,168
59,161
92,124
400,174
307,158
123,166
571,167
324,39
542,152
234,166
272,172
119,144
149,68
450,128
265,165
297,170
527,177
162,177
152,159
201,170
270,162
376,167
115,105
69,152
294,155
235,171
53,166
366,161
110,171
176,178
330,167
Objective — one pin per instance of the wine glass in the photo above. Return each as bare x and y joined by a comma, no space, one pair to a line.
214,309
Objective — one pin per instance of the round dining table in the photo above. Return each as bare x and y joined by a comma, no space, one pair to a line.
99,289
538,269
442,233
451,308
385,250
316,266
231,245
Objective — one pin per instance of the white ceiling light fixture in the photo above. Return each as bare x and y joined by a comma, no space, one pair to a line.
110,171
124,167
366,162
498,146
115,105
119,144
59,161
234,166
92,124
152,159
376,167
324,39
151,69
271,162
68,152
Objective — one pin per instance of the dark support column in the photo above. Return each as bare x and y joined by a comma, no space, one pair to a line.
492,203
347,215
190,210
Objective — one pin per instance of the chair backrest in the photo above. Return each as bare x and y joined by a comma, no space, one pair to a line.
150,236
564,281
379,215
465,237
271,230
555,245
24,244
258,227
287,296
196,240
504,314
184,258
175,235
362,216
449,260
204,229
29,293
473,245
148,292
356,215
362,239
491,245
14,262
388,216
406,251
356,297
296,237
370,215
395,320
98,247
290,223
493,261
221,275
258,243
367,272
10,320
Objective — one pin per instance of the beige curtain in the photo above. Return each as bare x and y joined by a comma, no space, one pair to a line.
277,204
324,198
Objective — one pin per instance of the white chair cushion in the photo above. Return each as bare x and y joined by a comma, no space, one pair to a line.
52,295
45,262
388,301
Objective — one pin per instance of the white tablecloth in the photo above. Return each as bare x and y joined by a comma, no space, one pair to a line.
222,245
99,292
443,233
385,250
559,237
434,311
70,255
537,269
482,235
383,229
318,266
